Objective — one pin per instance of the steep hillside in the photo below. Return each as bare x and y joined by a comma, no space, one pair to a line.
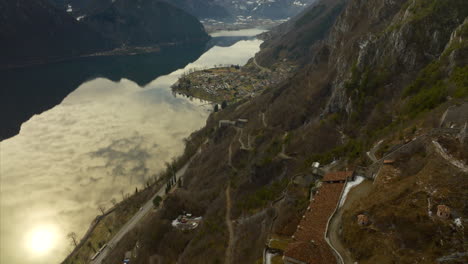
386,70
297,39
202,8
36,31
144,22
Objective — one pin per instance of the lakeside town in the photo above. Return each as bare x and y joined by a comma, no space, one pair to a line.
231,82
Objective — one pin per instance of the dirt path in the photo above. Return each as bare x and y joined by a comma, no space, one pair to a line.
243,146
263,120
260,67
230,155
229,225
334,229
371,152
282,154
457,163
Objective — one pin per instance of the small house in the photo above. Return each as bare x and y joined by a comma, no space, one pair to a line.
443,211
226,123
362,220
241,122
389,161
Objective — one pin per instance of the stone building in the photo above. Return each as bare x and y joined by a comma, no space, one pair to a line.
362,220
443,211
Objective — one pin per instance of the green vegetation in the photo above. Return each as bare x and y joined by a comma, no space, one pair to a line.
435,8
280,243
263,195
460,79
428,76
362,86
427,99
157,201
351,150
312,14
431,88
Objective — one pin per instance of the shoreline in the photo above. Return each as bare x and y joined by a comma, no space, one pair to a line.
122,51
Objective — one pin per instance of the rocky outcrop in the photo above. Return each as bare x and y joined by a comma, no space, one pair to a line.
392,38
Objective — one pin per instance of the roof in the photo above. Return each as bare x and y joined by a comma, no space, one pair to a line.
389,161
309,244
443,208
337,176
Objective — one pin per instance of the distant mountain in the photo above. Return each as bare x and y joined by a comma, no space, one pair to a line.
273,9
33,31
143,22
295,39
38,31
202,8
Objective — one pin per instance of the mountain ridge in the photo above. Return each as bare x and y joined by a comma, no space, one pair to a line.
36,32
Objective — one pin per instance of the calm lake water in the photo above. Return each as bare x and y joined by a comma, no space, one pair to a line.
109,135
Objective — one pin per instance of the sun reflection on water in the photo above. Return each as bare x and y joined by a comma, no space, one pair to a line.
42,239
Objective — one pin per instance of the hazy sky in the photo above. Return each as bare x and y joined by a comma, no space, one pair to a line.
104,138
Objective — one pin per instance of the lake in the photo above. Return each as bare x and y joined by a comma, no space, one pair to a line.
109,125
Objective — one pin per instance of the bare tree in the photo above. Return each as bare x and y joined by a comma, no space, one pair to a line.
102,208
113,201
73,238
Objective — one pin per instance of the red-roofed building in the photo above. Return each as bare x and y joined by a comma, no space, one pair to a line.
338,176
309,245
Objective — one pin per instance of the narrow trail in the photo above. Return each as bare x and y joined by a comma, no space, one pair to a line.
335,227
282,154
229,225
260,67
371,152
457,163
263,120
243,146
249,141
230,155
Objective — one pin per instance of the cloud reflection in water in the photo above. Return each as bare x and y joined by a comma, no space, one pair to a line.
104,138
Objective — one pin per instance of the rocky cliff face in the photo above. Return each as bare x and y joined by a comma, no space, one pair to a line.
398,38
384,70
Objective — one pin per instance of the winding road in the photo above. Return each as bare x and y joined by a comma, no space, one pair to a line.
260,67
334,229
371,152
229,225
146,208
